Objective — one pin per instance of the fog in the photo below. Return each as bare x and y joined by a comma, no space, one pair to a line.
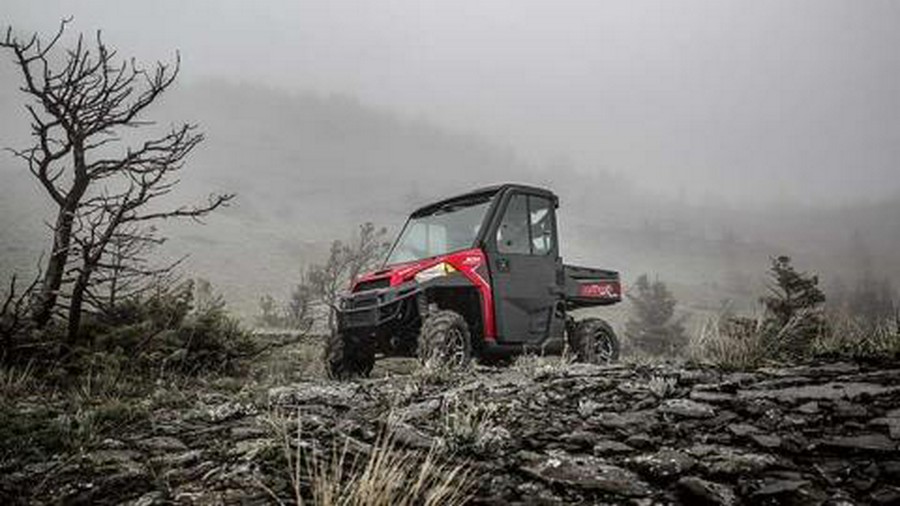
668,128
752,100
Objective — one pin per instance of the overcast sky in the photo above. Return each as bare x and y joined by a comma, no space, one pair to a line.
753,100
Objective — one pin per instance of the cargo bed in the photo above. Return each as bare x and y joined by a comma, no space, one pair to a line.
588,287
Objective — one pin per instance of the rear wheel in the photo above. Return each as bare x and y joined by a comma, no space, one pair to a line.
593,341
444,340
348,355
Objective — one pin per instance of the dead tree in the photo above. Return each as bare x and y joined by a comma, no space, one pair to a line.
12,312
78,109
346,262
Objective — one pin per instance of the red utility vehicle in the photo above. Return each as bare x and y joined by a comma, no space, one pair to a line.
477,275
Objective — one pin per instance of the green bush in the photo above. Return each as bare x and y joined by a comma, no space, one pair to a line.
184,330
794,316
653,327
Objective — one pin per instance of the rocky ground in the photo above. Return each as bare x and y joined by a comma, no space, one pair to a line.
540,432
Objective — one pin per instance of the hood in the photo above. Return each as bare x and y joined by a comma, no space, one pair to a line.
465,261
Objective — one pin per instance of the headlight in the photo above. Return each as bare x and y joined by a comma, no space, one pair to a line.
435,271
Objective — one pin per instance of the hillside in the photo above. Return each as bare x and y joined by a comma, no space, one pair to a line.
308,168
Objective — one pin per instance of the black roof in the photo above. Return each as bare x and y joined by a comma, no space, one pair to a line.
484,192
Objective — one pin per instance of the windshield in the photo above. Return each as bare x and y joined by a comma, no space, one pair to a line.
452,227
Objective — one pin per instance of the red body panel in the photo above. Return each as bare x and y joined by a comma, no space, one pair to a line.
471,263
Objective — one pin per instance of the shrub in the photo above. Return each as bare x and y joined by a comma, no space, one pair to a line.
794,310
653,328
185,330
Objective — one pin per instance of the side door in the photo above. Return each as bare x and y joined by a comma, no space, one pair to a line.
524,261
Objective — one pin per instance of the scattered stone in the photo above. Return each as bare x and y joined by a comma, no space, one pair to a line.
641,440
248,449
891,470
809,408
340,394
419,410
799,492
664,464
686,408
153,498
701,492
229,411
162,444
242,432
891,420
409,436
863,443
492,440
608,447
635,421
828,391
587,407
586,472
727,461
844,409
580,439
767,441
886,496
743,429
711,396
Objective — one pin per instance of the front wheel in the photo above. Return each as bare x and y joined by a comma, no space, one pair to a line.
348,355
593,341
444,340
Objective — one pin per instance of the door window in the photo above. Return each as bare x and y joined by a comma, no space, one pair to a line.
527,226
540,214
512,236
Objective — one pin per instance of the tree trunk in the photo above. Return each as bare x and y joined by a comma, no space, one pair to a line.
56,266
74,320
62,242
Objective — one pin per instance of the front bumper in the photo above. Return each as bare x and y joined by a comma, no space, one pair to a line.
374,308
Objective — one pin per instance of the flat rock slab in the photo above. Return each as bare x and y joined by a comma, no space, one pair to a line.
664,464
720,460
686,408
788,492
828,391
699,491
324,393
586,472
878,443
711,396
162,444
743,429
608,447
634,421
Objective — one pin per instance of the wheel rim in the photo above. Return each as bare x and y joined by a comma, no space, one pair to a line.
456,348
603,348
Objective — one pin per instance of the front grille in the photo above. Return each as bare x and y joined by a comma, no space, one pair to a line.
361,319
372,284
362,301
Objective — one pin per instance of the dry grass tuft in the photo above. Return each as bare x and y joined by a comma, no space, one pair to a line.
736,343
662,387
730,343
469,424
534,365
383,474
15,381
858,338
